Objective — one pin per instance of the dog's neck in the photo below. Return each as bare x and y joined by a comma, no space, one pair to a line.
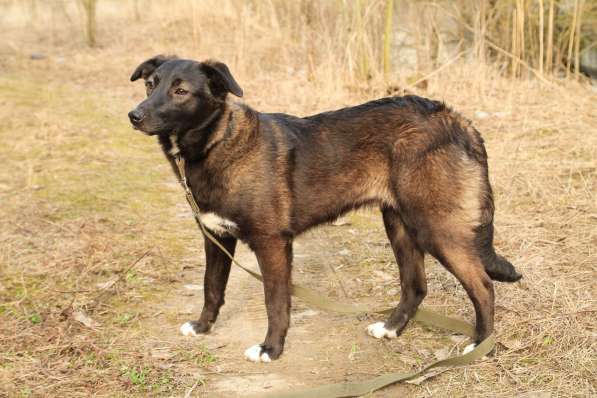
194,143
175,138
235,123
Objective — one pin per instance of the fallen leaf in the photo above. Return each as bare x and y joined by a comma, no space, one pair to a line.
458,338
161,353
340,222
193,287
442,353
107,284
81,316
406,359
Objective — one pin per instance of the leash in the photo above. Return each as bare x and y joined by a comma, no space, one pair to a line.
314,299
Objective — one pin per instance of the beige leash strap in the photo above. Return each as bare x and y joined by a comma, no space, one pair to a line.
315,299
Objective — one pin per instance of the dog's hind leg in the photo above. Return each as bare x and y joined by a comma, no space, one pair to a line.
412,277
274,255
462,260
217,270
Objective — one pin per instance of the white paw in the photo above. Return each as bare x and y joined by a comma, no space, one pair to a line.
187,329
468,348
378,330
254,354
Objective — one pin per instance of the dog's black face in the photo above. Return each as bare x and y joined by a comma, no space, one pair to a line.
181,94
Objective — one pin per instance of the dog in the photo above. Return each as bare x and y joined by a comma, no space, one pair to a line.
265,178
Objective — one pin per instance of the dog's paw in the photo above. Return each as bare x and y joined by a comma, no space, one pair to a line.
256,353
378,330
469,348
193,328
187,329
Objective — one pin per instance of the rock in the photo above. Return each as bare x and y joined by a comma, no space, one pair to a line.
340,222
37,56
481,115
304,314
193,287
383,275
588,61
442,353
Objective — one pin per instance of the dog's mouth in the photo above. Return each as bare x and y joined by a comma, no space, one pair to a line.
140,128
149,130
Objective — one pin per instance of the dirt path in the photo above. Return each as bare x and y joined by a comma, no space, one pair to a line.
321,348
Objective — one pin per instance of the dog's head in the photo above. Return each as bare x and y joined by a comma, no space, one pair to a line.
181,94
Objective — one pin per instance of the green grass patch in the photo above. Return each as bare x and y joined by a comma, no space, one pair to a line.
136,376
87,162
199,355
125,318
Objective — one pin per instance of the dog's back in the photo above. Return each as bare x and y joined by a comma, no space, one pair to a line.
407,153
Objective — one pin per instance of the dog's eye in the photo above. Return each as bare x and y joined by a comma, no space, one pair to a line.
149,85
180,91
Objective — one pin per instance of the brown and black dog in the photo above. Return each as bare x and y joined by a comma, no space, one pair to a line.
265,178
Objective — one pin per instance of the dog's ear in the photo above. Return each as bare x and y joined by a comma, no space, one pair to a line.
220,78
146,68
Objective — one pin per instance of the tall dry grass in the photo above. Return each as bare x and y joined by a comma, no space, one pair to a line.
90,7
359,38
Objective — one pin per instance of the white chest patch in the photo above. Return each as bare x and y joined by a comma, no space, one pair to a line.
175,149
213,222
218,225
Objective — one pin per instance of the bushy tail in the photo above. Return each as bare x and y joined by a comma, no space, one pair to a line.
496,266
501,269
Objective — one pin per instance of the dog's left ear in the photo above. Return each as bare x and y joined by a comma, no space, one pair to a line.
148,67
220,78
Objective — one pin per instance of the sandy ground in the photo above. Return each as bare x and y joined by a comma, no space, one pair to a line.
83,197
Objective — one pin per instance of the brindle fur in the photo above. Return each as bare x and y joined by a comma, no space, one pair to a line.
277,175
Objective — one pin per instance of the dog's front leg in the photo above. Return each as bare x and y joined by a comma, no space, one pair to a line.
274,255
217,271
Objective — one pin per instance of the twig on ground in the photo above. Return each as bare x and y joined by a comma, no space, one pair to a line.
121,276
188,393
339,280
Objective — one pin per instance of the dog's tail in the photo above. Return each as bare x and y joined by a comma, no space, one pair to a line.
501,269
496,266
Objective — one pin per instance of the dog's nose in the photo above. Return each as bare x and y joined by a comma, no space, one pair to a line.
136,116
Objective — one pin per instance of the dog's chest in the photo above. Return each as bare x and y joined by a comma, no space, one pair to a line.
174,150
216,224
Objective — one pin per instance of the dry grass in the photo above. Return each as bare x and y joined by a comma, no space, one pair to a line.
83,198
